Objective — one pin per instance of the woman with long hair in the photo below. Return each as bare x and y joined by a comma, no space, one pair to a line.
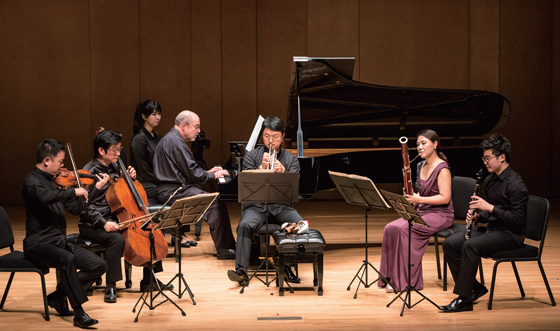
433,201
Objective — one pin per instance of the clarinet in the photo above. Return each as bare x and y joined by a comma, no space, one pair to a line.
407,175
474,210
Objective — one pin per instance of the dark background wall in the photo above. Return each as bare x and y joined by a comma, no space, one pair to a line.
69,66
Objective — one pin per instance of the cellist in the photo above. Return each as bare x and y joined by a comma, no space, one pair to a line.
99,224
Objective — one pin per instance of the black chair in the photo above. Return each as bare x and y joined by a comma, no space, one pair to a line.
462,189
538,212
15,261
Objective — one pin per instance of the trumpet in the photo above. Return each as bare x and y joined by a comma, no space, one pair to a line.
271,158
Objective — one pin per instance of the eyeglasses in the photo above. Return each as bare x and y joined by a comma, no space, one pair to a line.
275,137
116,150
487,159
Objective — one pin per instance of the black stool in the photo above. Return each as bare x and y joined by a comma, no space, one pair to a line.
303,248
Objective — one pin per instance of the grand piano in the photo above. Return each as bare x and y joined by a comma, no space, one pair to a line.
339,124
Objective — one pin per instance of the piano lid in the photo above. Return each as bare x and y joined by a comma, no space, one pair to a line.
334,106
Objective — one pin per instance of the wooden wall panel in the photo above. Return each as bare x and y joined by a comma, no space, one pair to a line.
69,66
525,79
333,29
44,89
114,67
206,73
555,111
484,45
281,34
414,43
239,73
165,59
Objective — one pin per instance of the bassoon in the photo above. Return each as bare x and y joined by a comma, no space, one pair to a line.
474,210
407,175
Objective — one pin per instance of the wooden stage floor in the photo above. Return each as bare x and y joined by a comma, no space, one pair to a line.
220,306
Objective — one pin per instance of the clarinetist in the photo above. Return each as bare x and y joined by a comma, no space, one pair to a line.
504,208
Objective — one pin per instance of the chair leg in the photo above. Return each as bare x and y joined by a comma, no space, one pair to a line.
7,290
444,273
480,272
492,285
436,245
546,283
128,274
281,274
320,274
518,279
45,303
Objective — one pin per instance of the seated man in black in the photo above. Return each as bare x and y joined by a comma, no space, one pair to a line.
254,215
45,241
98,223
503,205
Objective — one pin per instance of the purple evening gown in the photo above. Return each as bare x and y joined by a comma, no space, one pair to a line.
394,251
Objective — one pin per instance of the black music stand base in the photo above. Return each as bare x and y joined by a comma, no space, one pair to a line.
364,267
407,300
179,275
147,298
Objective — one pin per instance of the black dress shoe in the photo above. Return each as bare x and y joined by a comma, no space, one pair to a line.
477,293
239,276
192,243
457,305
226,254
144,285
110,295
290,277
60,305
84,321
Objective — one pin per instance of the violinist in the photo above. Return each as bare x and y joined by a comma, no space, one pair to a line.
45,242
98,223
174,167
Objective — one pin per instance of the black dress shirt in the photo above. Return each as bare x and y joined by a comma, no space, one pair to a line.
98,211
509,195
142,149
174,163
45,207
253,160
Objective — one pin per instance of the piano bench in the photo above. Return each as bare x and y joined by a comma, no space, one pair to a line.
303,248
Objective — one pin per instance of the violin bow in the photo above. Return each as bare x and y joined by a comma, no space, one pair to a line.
73,163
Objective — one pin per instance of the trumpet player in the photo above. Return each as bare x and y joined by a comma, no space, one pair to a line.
271,156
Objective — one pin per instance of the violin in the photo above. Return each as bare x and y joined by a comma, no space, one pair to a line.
66,179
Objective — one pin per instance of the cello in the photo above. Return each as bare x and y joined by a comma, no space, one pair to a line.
128,200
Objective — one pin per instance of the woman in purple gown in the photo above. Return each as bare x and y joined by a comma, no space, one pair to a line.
433,181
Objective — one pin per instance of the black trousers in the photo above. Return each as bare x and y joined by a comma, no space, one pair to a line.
251,220
114,247
216,216
73,284
463,255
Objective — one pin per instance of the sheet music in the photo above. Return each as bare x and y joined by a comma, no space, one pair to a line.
375,199
255,135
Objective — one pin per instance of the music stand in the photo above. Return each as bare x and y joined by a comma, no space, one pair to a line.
265,186
408,213
184,211
361,191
